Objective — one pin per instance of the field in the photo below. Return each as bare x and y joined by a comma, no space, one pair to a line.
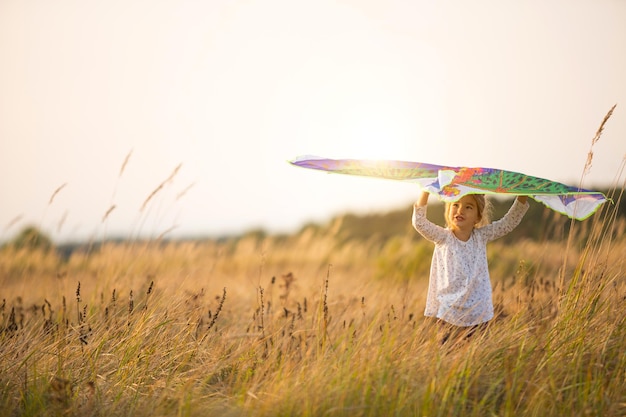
320,323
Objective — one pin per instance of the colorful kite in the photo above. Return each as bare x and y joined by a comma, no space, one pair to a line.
452,183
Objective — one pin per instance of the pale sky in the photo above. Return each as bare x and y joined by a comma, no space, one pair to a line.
233,89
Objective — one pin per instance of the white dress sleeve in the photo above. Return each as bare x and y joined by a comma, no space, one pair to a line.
425,227
507,223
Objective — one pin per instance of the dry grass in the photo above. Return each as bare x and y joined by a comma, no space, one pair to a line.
305,326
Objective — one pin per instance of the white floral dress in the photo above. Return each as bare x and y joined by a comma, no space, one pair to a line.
459,290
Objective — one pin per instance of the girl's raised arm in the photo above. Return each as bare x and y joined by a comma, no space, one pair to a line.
422,199
425,227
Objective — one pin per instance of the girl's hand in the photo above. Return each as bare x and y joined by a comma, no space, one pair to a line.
423,199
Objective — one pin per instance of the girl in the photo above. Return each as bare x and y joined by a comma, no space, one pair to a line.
459,290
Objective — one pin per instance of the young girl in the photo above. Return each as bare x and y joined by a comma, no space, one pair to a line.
459,290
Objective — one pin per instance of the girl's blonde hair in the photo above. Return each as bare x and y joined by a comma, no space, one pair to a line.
484,210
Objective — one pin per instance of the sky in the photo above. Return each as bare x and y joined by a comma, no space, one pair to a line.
149,118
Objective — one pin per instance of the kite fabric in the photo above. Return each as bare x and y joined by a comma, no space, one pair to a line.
452,183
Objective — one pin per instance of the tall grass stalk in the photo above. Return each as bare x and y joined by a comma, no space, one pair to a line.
585,171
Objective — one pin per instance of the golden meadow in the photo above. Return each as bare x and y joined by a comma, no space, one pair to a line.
325,322
318,323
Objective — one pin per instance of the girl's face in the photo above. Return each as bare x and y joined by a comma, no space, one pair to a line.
463,214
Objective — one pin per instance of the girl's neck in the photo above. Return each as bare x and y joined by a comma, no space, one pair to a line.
463,234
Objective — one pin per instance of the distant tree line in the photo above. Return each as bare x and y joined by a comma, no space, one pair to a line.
539,223
31,237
